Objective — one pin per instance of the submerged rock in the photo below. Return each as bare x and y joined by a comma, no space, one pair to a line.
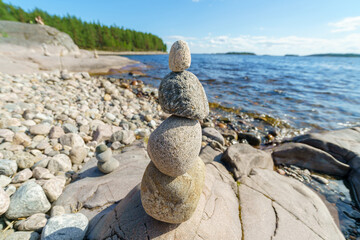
183,95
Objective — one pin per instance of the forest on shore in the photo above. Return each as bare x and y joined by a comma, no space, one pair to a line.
88,35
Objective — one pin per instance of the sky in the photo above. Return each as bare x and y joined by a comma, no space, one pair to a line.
274,27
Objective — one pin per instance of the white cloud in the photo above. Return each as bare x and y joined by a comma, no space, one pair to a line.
346,25
271,45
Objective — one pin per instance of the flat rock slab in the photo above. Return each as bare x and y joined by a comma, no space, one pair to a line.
277,207
93,191
216,216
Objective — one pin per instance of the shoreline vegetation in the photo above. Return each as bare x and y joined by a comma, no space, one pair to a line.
87,35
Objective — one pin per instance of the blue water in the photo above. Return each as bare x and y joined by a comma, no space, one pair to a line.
306,92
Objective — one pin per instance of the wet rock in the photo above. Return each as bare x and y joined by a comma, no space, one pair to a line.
182,94
8,167
305,156
172,199
320,179
216,215
66,226
179,56
28,200
4,201
241,158
22,176
40,129
252,139
33,223
171,156
213,134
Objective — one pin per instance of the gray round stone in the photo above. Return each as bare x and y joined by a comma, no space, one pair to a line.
179,56
174,145
59,162
183,95
172,199
28,200
66,226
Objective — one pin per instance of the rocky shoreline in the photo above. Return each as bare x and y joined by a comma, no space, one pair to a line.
51,123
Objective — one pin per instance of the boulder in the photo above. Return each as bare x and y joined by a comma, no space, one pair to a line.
306,156
54,187
56,132
175,145
7,135
216,215
241,158
28,200
183,95
172,199
66,226
78,154
24,159
179,56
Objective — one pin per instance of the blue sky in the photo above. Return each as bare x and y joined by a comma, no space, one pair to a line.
274,27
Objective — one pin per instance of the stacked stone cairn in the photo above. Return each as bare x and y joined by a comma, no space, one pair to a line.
106,163
174,179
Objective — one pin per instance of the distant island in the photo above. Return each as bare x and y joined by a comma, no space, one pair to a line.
334,55
291,55
240,53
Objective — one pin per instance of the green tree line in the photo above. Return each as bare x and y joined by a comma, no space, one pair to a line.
88,35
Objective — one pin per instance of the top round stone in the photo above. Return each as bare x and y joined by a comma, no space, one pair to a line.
179,56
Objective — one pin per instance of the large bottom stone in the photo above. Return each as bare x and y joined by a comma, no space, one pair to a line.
172,199
216,215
